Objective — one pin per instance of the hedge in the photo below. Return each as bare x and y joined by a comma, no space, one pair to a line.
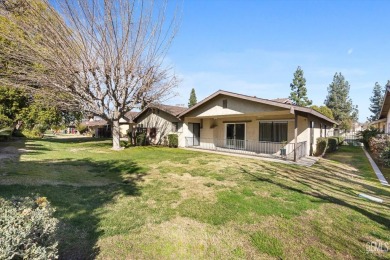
333,143
328,144
322,144
140,138
173,140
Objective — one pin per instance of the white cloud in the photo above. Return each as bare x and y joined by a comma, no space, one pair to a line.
350,51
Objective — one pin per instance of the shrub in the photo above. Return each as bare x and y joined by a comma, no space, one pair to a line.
385,156
5,133
322,145
366,135
140,138
82,128
129,135
27,229
173,140
31,133
332,144
5,121
341,139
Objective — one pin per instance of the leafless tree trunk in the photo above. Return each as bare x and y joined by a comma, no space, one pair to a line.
107,55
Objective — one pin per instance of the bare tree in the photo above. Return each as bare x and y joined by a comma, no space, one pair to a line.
106,55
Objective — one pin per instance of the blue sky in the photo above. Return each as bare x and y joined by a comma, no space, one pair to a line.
254,47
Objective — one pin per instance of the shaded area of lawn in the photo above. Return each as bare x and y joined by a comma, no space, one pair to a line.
354,155
151,202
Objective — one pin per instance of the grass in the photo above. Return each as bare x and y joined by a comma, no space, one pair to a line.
151,202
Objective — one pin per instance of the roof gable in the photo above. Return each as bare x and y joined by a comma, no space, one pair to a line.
268,102
172,110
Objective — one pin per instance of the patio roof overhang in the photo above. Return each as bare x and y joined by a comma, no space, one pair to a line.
281,114
292,109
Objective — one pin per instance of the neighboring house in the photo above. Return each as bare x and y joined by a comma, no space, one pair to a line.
227,121
98,127
383,123
158,121
379,124
126,124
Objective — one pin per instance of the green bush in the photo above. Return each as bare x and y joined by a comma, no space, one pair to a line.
340,139
385,156
82,128
31,133
332,144
27,229
366,135
140,138
173,140
322,145
18,133
5,133
5,121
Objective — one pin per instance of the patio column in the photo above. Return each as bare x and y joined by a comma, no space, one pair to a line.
295,137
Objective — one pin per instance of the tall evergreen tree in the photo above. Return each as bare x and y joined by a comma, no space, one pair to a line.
192,101
340,103
376,101
298,93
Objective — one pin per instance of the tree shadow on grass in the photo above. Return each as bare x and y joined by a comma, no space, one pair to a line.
325,190
79,207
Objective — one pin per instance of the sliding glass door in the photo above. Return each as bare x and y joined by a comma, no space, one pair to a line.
235,135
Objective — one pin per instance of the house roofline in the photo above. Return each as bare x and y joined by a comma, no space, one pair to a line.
381,115
158,106
262,101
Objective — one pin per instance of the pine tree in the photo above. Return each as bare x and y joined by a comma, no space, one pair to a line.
298,93
192,101
340,103
376,101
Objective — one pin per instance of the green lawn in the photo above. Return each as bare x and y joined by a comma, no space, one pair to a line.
164,203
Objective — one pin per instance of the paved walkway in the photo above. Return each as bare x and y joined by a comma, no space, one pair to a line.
305,161
378,172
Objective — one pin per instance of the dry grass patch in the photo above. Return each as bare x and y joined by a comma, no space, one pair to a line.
179,238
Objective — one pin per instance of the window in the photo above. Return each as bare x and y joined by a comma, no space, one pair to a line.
175,126
273,131
224,103
153,132
201,123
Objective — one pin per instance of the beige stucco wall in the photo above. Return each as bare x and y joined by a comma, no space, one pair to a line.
217,134
160,120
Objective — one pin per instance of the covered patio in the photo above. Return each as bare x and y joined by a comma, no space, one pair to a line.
234,123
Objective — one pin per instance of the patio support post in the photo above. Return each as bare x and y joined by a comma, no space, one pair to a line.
295,137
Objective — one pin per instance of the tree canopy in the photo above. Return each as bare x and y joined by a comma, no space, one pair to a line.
298,93
340,103
323,110
192,101
376,101
105,55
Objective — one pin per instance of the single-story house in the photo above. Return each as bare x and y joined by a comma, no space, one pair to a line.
383,122
127,123
232,122
158,121
98,127
379,124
